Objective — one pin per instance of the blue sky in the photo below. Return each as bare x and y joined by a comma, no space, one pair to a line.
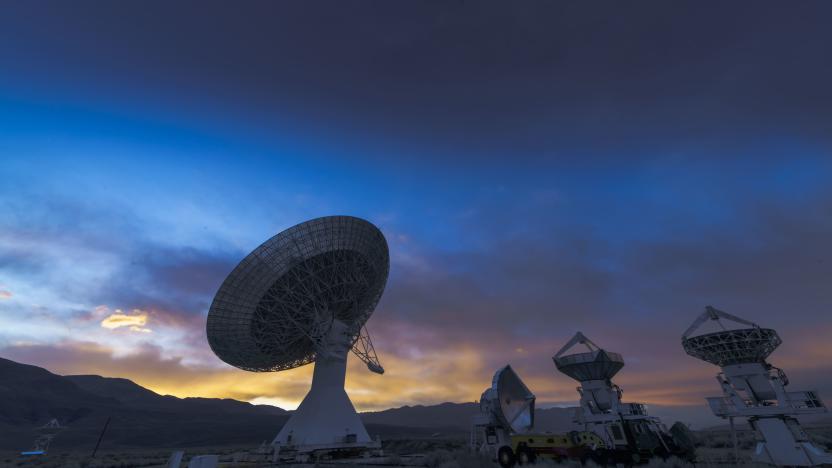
532,181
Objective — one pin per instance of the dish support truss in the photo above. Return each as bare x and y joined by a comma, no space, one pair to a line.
363,348
362,345
757,391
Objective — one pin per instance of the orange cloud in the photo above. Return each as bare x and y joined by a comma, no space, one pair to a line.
135,321
4,294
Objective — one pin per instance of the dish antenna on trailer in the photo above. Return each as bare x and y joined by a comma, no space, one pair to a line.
304,296
509,401
623,426
754,389
506,409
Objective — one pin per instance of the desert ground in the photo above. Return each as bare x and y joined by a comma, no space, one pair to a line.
713,450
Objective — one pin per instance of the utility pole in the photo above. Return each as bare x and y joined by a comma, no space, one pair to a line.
107,423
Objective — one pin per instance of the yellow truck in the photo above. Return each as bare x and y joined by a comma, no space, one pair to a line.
528,448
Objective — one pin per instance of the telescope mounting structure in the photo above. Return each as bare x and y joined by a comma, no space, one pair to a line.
756,390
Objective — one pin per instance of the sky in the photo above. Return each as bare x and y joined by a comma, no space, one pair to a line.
538,169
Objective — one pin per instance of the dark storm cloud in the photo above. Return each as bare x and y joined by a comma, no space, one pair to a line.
534,81
190,270
522,298
101,255
772,248
21,263
177,280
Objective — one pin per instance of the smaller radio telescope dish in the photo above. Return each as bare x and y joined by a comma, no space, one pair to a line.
509,401
506,409
593,364
751,344
508,404
303,296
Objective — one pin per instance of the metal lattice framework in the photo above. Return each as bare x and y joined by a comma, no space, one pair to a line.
727,347
281,299
364,349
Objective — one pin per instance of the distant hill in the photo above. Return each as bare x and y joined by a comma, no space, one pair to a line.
130,393
31,396
457,416
447,415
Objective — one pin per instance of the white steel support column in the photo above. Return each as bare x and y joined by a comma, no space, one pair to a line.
326,416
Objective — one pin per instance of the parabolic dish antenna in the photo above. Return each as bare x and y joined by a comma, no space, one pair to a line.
729,346
593,364
509,401
304,296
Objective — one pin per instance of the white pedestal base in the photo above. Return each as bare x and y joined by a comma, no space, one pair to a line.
326,417
783,447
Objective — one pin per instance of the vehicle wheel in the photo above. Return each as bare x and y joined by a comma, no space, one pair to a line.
661,453
597,457
525,456
603,458
609,459
506,457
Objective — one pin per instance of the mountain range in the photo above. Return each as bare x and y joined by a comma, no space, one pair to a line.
31,396
139,418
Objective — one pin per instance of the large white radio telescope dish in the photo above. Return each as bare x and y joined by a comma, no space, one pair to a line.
304,296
